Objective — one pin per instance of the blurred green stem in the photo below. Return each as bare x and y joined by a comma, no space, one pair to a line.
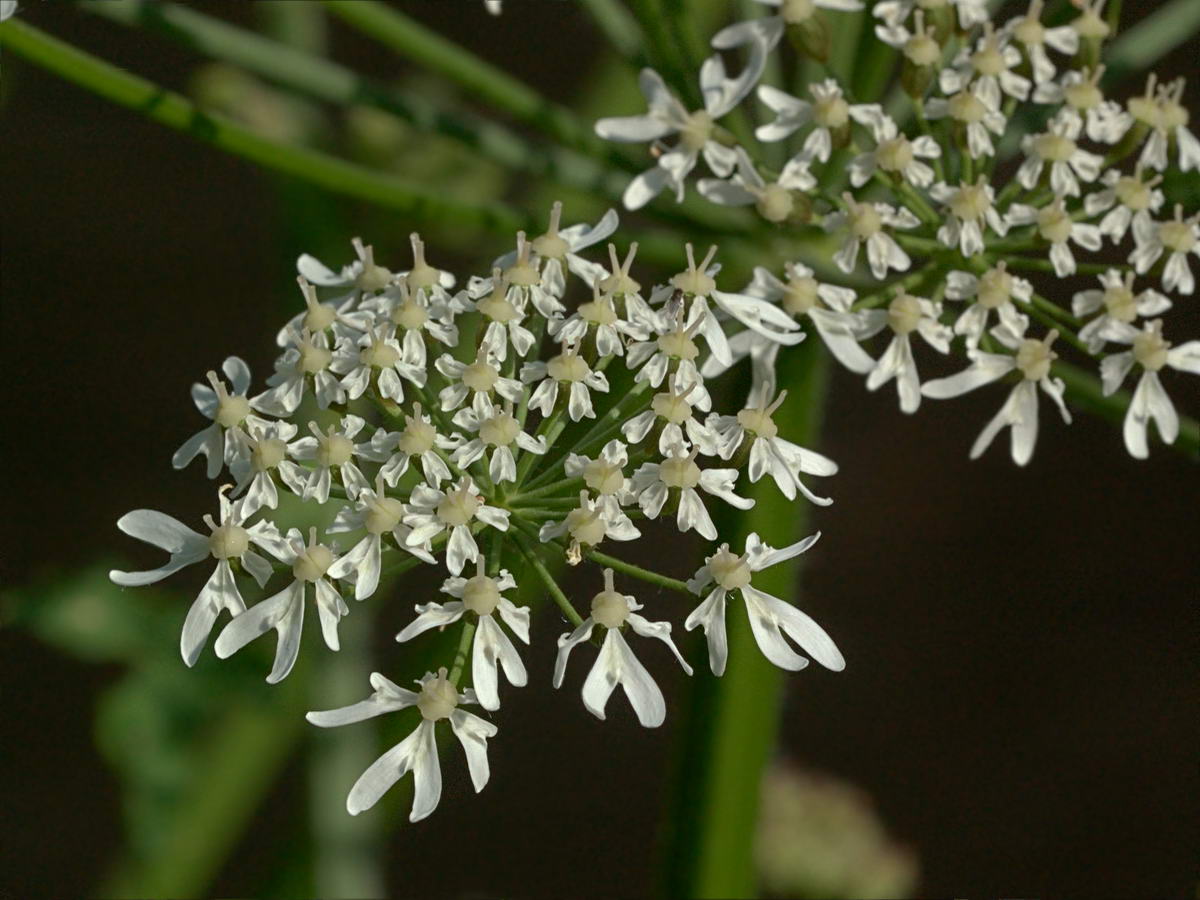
734,720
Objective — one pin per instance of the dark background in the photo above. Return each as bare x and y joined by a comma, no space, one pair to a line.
1022,644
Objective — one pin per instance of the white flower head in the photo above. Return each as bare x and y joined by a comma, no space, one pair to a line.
267,453
418,753
603,476
616,663
336,319
677,477
904,315
829,113
992,291
227,411
1069,163
591,522
433,512
284,611
976,111
894,153
421,440
672,414
229,539
376,360
770,618
969,208
1176,237
1159,109
497,430
479,377
1127,198
557,250
1056,226
769,29
1030,33
774,201
990,66
415,317
598,322
332,451
504,310
1117,304
567,371
1082,103
865,223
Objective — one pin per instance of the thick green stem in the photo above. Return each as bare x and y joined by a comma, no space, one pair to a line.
543,573
646,575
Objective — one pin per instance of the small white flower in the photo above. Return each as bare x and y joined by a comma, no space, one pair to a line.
989,66
865,223
1178,237
1150,401
230,539
1036,37
1032,358
333,449
417,753
494,427
570,371
976,111
604,476
503,308
969,208
378,514
266,451
420,439
591,522
828,113
1083,103
414,316
376,359
616,663
557,250
1127,198
769,453
994,290
284,612
1167,118
770,617
227,411
364,275
769,29
491,648
480,377
894,153
904,315
672,412
1117,304
432,511
679,476
526,283
1055,225
599,320
337,319
774,201
307,357
1069,164
671,348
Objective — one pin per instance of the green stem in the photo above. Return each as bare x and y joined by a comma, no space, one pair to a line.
548,580
174,111
646,575
463,651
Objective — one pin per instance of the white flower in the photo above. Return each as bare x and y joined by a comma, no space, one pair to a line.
989,66
333,449
1055,224
227,411
667,116
413,316
994,290
284,612
672,412
774,201
490,648
420,438
865,223
769,29
338,318
1117,304
570,370
770,617
417,753
1032,358
679,476
978,112
557,250
904,315
969,208
1166,117
376,358
525,279
480,377
266,451
1035,37
378,514
503,309
616,663
598,318
1150,401
671,348
364,275
894,153
829,113
1105,120
307,357
432,511
970,12
1178,237
1068,162
604,476
230,539
1127,198
769,453
589,523
495,427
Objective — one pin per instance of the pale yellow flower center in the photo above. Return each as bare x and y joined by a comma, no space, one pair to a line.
438,698
313,563
228,541
904,314
729,570
458,507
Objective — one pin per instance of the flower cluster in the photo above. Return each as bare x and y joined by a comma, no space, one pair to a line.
914,186
523,418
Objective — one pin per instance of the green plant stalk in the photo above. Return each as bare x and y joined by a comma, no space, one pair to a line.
735,719
630,569
174,111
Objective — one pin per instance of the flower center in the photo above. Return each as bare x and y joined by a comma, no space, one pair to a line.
382,514
672,407
922,50
598,312
603,477
422,274
496,306
970,202
458,507
1133,193
228,541
904,314
410,315
1053,147
417,438
995,288
1173,115
1089,25
232,410
865,220
267,453
313,563
1177,236
1119,303
438,698
989,60
609,609
678,345
1030,32
679,472
319,317
1145,110
728,570
479,376
775,203
481,595
1034,357
1150,349
334,450
694,279
522,272
966,107
372,278
313,358
696,131
795,12
500,430
569,367
586,526
800,295
894,154
379,354
1054,224
1083,95
759,422
831,111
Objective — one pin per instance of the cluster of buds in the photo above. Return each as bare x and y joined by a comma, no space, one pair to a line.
474,427
913,185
